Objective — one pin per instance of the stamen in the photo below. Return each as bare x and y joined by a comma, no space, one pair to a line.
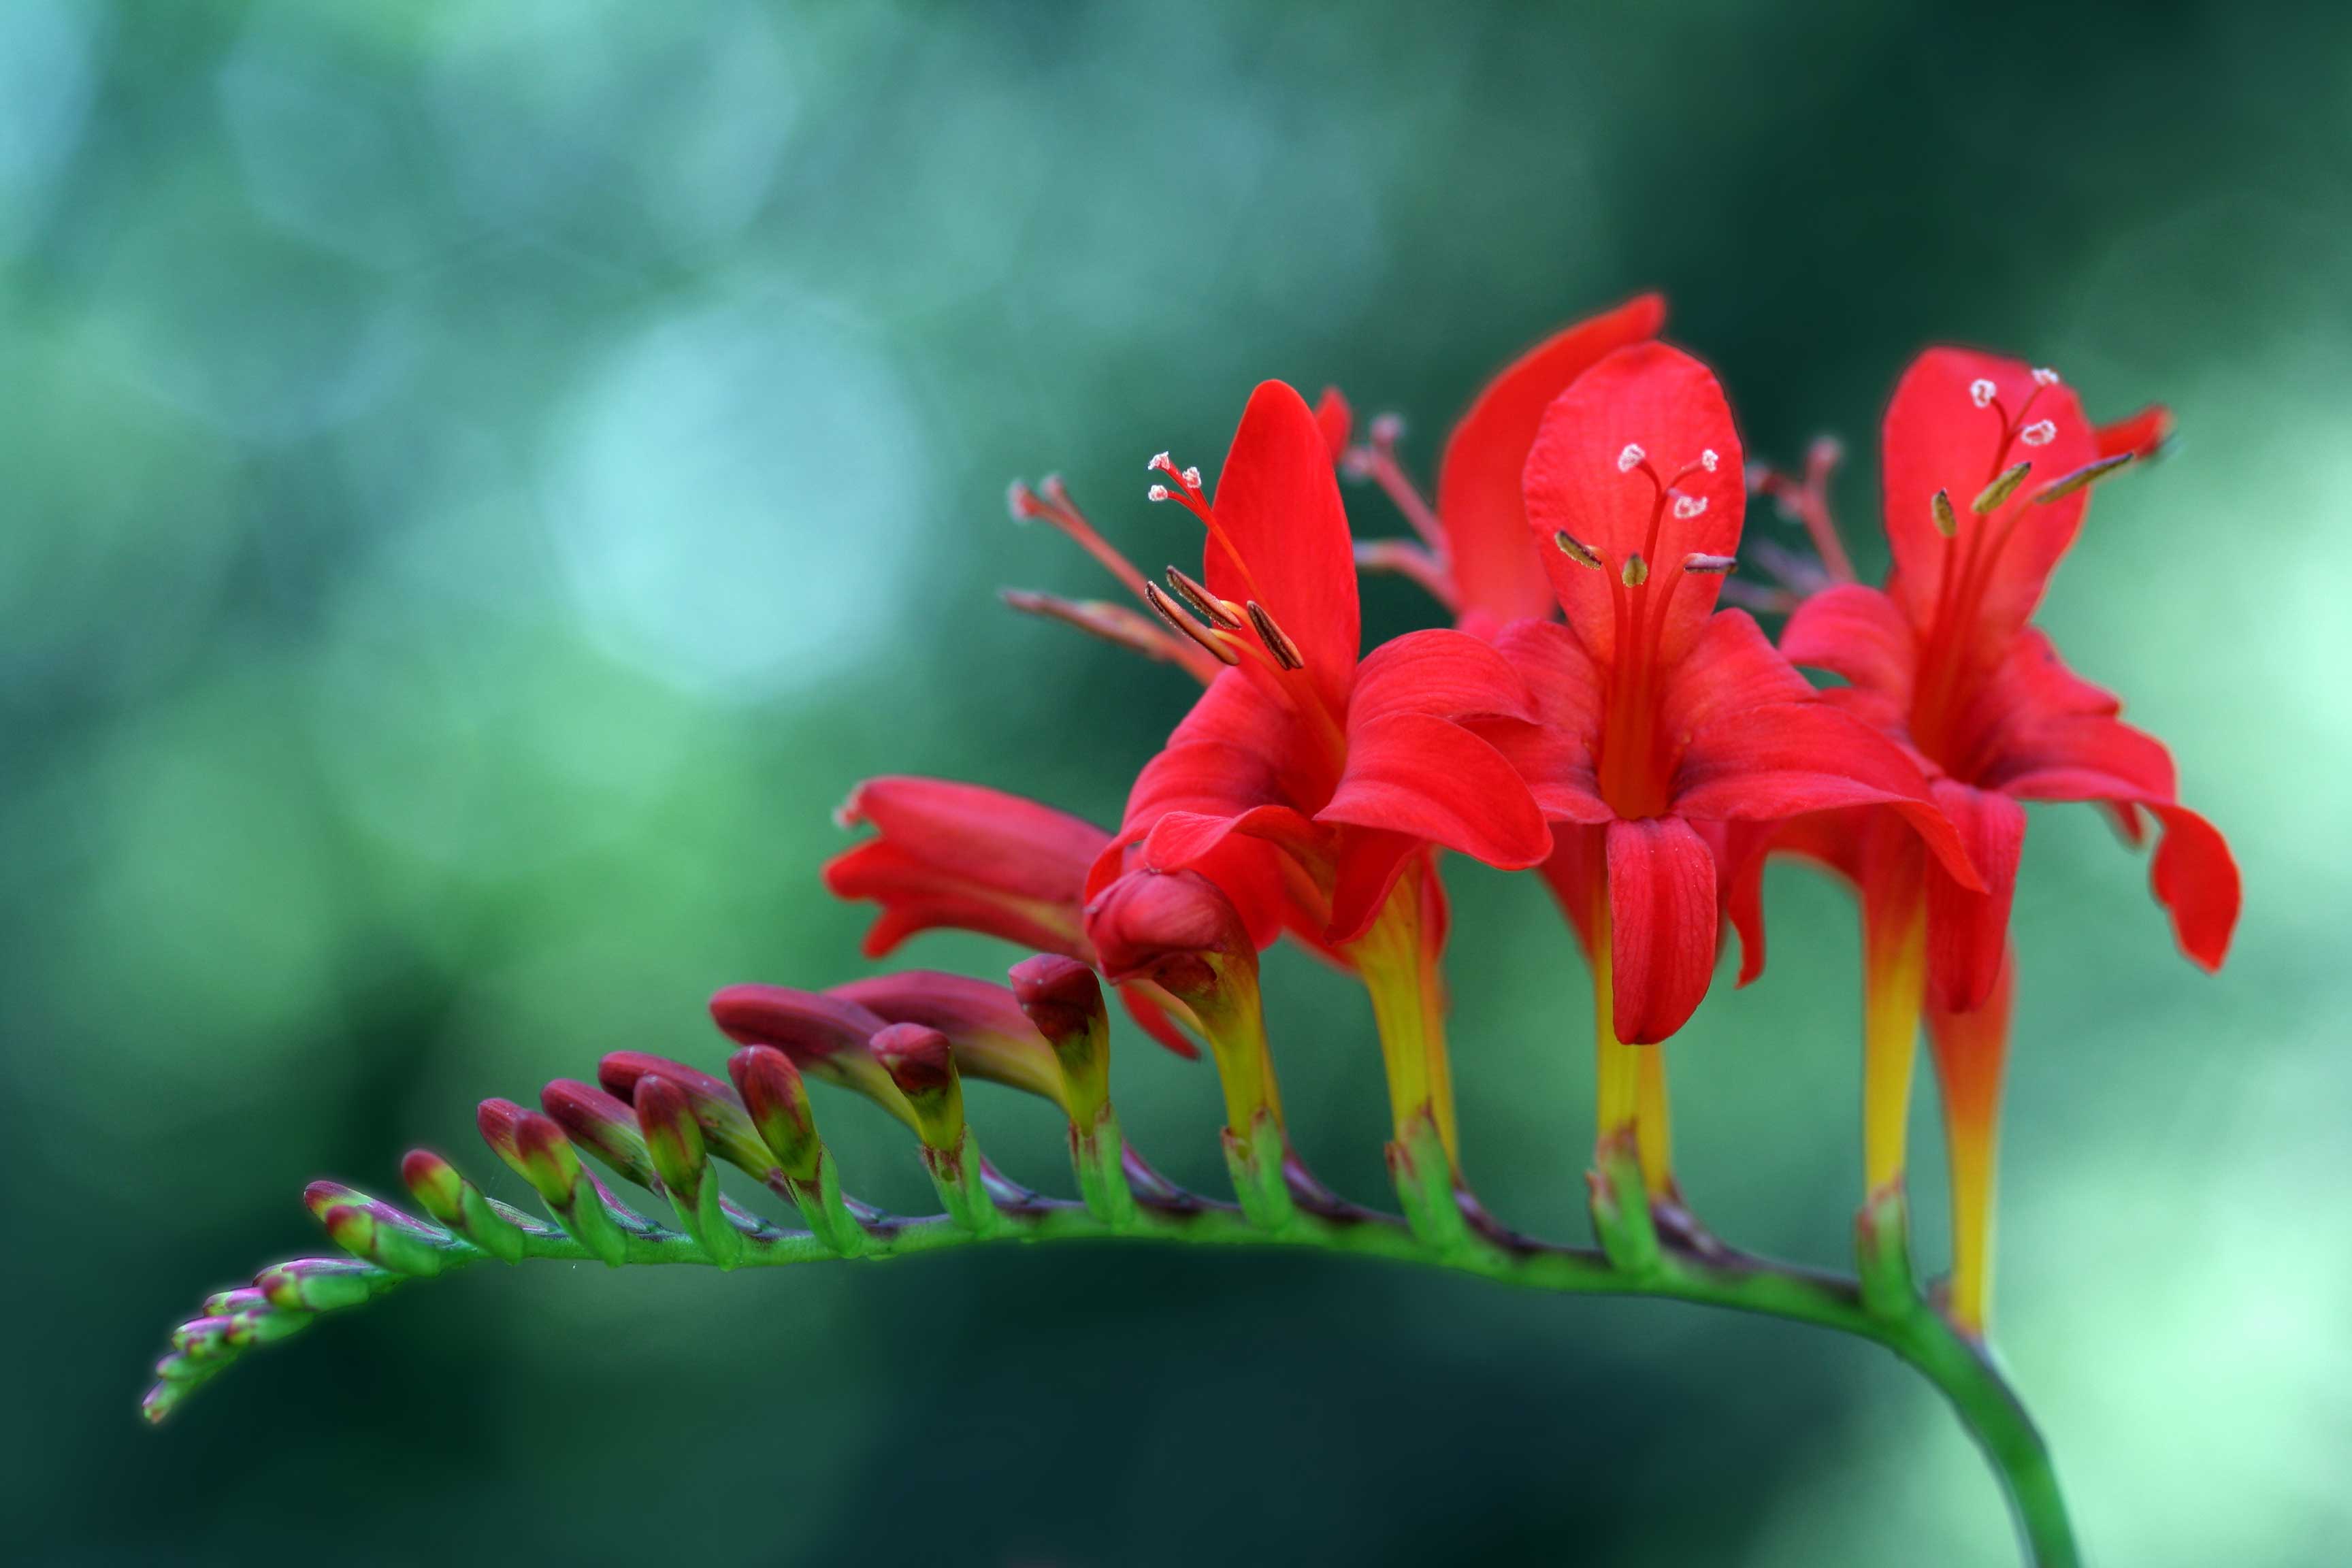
1689,506
2000,489
1160,464
1157,492
1112,623
1186,625
1707,460
1387,429
1285,652
1940,506
1982,392
2089,473
1022,502
1636,571
2041,433
1203,604
1192,478
1713,564
1576,550
2044,376
1628,459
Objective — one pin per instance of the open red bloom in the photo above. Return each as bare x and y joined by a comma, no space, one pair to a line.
1999,453
1302,768
1663,717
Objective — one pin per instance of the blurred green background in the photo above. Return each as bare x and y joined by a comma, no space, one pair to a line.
481,481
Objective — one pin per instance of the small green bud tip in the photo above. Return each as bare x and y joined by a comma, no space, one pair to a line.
1939,507
601,1124
2001,490
672,1137
778,1102
1064,1000
922,1066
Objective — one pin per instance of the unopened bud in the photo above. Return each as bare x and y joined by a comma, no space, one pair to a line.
446,1194
316,1284
375,1231
2001,488
778,1102
729,1132
1576,550
922,1064
1939,507
601,1124
673,1139
1064,1001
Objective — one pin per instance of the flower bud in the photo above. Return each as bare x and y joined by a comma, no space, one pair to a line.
456,1203
722,1121
825,1036
315,1284
375,1231
990,1036
922,1065
1064,1001
778,1102
602,1125
674,1142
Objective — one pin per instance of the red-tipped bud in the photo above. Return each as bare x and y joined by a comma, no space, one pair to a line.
673,1139
601,1124
1171,927
723,1123
1064,1001
315,1284
990,1035
806,1025
449,1197
546,1159
922,1064
773,1093
498,1119
375,1231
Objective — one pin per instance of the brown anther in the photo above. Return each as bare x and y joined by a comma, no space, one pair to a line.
2001,488
1576,550
1168,612
1277,643
1201,602
1636,571
2088,474
1939,507
1715,565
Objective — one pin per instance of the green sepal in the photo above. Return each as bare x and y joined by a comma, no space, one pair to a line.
1098,1157
1882,1252
1423,1173
825,1211
1621,1206
1258,1166
955,1172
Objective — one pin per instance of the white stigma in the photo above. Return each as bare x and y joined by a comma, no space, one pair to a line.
1689,506
1161,464
1192,478
2044,376
1632,454
1981,391
1157,492
1388,429
1707,460
2041,433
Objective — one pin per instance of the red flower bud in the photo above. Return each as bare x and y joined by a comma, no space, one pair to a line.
1172,928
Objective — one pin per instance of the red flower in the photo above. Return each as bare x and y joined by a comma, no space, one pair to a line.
1475,556
1988,465
1305,781
1665,722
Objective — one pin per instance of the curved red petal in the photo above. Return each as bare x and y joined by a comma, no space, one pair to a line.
1444,674
1151,1008
1661,914
1939,436
1969,931
2142,435
1859,633
1493,566
1414,774
1732,667
1370,862
1643,411
1285,535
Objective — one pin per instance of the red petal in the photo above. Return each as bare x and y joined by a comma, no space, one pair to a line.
1662,912
1495,570
977,836
1669,405
1557,758
2142,433
2195,876
1732,667
992,1037
1414,774
1183,840
1799,757
1278,508
1335,420
914,897
1153,1011
1937,438
1856,632
1969,931
1444,674
1370,862
1577,872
